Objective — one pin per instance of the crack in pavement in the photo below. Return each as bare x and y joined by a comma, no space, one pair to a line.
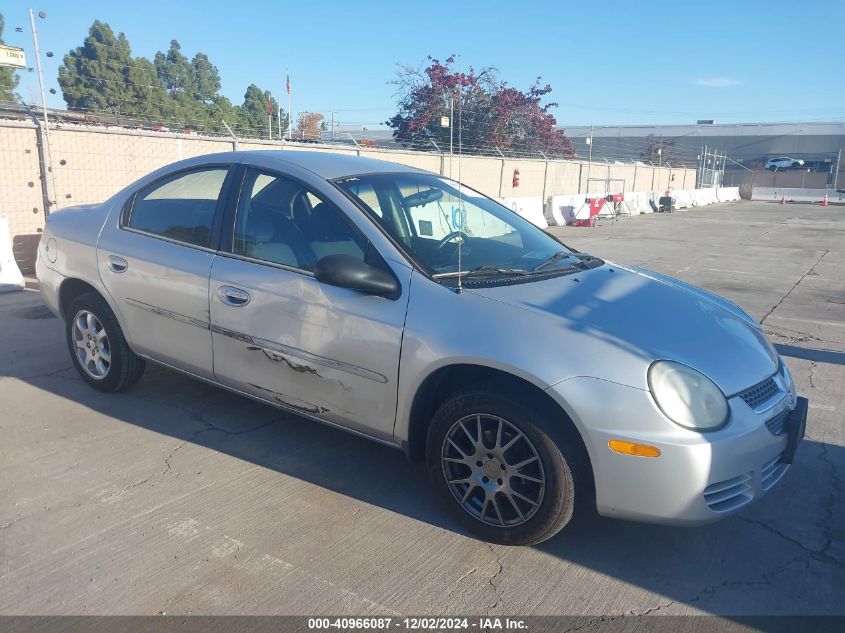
9,524
167,465
200,419
651,610
816,554
803,337
835,491
207,427
827,524
593,621
499,597
795,285
56,373
707,592
765,580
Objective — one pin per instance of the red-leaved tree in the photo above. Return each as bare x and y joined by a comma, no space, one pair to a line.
308,126
491,114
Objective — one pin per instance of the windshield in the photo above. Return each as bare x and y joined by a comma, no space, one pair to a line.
427,215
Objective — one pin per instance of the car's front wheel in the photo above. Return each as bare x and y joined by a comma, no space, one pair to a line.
503,475
97,346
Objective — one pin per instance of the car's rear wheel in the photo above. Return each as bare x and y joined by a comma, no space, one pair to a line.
97,346
502,474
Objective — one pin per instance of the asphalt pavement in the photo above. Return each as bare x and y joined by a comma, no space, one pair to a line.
181,498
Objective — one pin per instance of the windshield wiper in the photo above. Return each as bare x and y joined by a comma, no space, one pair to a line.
551,260
483,271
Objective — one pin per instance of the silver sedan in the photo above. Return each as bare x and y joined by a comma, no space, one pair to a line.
532,380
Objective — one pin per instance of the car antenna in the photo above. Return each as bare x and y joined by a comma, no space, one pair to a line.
460,287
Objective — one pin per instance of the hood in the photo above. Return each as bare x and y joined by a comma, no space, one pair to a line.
649,316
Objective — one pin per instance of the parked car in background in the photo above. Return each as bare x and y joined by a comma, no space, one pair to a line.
783,162
533,380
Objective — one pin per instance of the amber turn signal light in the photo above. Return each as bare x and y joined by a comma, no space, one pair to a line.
630,448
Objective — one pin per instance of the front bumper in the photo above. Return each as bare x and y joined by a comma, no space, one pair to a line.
698,477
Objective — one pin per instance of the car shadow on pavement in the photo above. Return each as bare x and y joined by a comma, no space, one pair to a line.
730,567
813,354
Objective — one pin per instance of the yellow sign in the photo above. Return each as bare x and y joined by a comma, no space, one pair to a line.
12,56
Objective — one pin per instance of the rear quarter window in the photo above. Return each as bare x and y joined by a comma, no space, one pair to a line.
181,208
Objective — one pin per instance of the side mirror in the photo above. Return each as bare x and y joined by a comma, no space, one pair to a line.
346,271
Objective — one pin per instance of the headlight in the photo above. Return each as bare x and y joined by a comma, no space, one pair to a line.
686,396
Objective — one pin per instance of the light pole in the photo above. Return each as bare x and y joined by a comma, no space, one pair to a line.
451,132
55,200
589,161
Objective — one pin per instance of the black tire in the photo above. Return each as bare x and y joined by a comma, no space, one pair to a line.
125,368
560,458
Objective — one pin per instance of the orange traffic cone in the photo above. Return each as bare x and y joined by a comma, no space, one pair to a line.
824,202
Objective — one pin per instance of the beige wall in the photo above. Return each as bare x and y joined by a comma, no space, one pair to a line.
20,185
21,200
92,163
532,174
90,167
593,178
564,177
643,177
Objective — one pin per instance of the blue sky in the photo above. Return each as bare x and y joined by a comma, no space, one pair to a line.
608,62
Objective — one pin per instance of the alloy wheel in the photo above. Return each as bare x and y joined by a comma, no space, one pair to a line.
493,470
91,342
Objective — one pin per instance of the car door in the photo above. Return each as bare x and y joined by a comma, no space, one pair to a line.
279,334
155,260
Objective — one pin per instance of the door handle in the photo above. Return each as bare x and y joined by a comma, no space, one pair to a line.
117,264
233,296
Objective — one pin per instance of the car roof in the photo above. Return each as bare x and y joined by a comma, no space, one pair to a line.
327,164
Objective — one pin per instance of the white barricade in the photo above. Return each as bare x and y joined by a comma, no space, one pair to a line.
640,201
703,197
529,208
10,275
727,194
682,198
561,209
797,195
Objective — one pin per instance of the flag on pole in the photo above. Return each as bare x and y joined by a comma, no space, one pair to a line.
287,82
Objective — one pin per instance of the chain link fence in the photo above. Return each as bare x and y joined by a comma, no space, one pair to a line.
87,163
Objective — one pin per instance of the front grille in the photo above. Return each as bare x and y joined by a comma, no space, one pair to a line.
729,494
759,393
771,473
777,424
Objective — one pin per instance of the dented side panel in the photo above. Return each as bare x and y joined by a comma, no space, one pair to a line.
318,349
